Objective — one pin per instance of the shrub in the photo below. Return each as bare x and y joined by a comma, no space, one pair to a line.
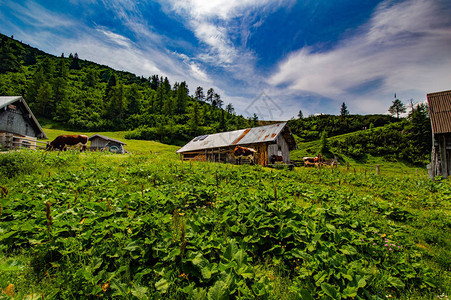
17,163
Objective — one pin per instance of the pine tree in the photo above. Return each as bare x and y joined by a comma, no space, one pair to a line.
300,115
181,98
229,108
199,95
344,110
134,99
397,108
154,82
210,94
91,78
194,119
9,62
34,85
43,100
217,102
75,64
324,144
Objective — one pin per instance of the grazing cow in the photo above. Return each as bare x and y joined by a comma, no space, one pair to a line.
276,158
63,141
240,152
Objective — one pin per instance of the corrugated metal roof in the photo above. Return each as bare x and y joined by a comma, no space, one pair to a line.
5,100
105,138
254,135
440,111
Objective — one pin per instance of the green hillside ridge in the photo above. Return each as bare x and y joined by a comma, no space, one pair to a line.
78,95
408,140
82,95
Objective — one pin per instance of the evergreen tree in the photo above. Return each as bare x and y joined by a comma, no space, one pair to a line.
210,95
324,144
168,105
222,123
217,102
9,61
154,82
300,115
34,85
159,100
344,112
91,77
134,98
109,88
59,85
166,85
181,98
29,58
199,95
75,64
229,109
64,110
194,120
117,105
254,120
43,100
397,108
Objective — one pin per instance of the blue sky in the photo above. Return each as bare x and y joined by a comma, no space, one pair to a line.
274,57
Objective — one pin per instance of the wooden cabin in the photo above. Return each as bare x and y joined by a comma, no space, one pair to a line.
440,113
101,142
269,140
18,125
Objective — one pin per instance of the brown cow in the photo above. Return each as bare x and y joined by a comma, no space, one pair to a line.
63,141
240,152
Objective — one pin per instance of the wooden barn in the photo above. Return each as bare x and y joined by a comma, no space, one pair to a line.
101,142
18,125
269,140
440,113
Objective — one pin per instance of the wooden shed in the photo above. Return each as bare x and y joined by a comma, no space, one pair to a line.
18,125
269,140
440,113
101,142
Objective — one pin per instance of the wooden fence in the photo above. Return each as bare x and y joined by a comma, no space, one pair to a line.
10,141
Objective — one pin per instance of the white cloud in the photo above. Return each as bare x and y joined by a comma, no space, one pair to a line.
116,38
210,22
404,48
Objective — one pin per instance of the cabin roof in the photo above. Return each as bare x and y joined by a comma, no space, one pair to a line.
440,111
105,138
262,134
7,100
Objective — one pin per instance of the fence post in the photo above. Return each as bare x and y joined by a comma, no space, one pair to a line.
378,170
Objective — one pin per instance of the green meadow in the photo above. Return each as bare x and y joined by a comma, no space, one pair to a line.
145,225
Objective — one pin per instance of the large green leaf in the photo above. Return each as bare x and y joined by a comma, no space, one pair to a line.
330,290
396,282
218,291
162,285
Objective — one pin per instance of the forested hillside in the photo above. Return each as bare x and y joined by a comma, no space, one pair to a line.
396,139
311,128
84,95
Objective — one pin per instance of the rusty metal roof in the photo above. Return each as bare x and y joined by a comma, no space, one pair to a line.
440,111
255,135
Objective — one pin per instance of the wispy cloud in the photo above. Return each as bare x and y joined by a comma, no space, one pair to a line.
404,48
212,23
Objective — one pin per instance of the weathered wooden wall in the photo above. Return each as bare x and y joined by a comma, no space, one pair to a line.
14,119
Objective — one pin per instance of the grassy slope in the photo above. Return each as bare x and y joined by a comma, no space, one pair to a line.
399,190
368,164
134,146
